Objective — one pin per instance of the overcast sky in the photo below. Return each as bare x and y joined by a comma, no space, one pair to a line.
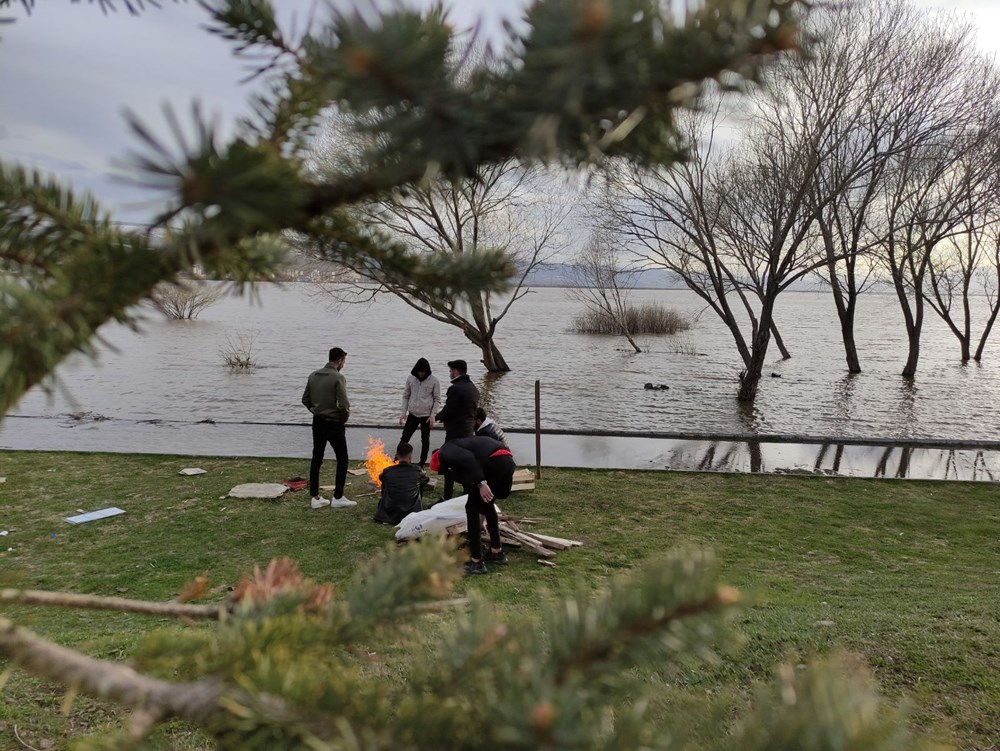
67,74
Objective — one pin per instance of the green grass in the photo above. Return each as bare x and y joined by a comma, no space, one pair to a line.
904,574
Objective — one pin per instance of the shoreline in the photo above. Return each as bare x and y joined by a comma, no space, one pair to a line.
926,459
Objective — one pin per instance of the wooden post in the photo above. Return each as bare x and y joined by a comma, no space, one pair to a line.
538,430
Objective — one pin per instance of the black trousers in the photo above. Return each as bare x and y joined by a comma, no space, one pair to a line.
412,422
475,506
327,431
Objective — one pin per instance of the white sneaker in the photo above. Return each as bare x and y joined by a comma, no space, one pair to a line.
343,502
319,502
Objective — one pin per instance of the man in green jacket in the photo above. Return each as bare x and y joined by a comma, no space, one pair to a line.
326,397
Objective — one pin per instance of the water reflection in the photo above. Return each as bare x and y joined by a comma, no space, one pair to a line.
906,409
487,386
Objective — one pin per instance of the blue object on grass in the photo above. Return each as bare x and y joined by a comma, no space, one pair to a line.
90,516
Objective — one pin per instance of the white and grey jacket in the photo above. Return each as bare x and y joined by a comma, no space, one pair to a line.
421,398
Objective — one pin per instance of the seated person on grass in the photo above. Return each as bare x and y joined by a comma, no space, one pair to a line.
401,489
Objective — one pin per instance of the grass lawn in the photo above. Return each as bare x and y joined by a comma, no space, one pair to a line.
904,574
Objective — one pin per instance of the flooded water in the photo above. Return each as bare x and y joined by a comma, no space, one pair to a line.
173,371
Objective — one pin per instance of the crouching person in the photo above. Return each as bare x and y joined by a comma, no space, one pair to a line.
485,467
401,487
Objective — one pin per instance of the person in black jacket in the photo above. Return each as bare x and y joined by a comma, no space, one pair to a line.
485,467
459,411
401,494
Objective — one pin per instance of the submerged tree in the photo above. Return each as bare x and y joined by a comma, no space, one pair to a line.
186,298
504,207
587,80
969,262
604,284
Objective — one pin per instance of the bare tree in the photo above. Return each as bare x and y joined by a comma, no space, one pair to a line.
925,201
862,61
186,298
505,206
970,258
939,98
735,226
605,283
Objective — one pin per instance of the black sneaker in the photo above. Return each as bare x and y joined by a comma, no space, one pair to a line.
499,559
473,568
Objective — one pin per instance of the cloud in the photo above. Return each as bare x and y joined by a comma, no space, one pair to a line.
71,71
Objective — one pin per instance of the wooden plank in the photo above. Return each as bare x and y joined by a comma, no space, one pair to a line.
535,538
524,475
531,545
546,563
522,486
557,540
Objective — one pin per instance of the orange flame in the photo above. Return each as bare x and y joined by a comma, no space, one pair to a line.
376,459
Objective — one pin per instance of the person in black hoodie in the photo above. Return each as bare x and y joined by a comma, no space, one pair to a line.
421,399
485,467
459,412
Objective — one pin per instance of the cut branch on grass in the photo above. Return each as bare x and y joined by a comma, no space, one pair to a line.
117,604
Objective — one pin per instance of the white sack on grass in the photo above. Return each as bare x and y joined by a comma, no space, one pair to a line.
434,520
258,490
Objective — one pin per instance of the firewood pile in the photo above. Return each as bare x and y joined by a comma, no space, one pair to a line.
512,535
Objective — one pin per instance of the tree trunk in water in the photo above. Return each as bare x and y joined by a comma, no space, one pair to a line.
779,343
910,369
492,358
750,378
986,332
851,350
845,312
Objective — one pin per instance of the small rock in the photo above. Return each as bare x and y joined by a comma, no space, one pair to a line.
824,623
775,375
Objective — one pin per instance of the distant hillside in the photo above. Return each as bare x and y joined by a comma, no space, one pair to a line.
568,275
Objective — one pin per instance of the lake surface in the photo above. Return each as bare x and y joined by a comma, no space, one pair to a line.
173,370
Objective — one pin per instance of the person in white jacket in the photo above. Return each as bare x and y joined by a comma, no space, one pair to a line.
421,401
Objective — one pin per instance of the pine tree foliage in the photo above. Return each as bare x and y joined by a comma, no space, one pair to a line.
283,667
278,666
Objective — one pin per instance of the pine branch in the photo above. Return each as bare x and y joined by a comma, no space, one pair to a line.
118,604
196,702
134,7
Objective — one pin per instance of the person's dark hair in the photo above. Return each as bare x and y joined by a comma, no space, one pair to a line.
336,353
480,414
404,449
459,365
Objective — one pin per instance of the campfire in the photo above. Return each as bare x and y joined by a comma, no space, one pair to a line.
376,460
